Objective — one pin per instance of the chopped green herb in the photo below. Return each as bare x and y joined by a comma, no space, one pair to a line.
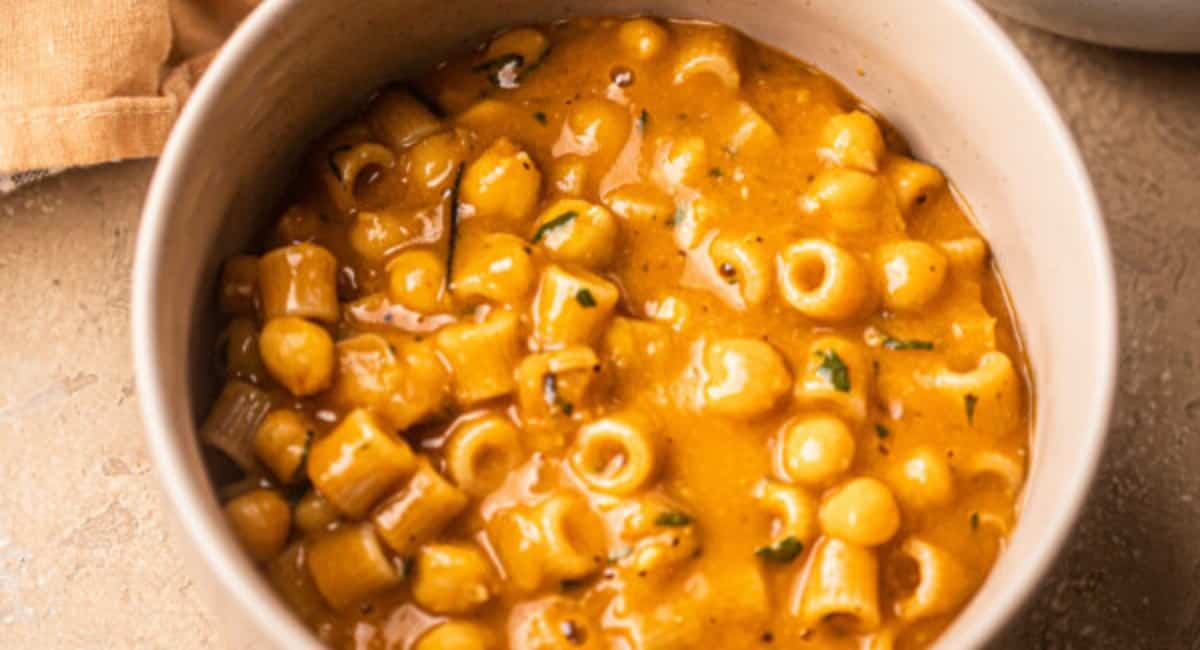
331,159
585,298
912,344
716,172
551,397
782,552
540,117
834,370
643,119
676,217
974,521
882,431
970,401
672,518
503,71
452,231
557,222
620,554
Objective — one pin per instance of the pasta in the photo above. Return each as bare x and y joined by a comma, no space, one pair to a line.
452,578
349,565
822,281
942,582
841,585
357,463
616,454
417,512
619,333
482,356
299,280
481,452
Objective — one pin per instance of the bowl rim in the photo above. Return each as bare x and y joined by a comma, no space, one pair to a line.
275,622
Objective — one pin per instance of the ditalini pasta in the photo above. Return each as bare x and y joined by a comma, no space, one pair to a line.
620,334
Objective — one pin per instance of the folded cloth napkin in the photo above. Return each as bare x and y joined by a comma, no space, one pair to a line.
90,81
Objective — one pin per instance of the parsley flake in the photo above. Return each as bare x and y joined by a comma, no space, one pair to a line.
557,222
540,117
912,344
834,370
782,552
585,298
882,431
970,401
672,518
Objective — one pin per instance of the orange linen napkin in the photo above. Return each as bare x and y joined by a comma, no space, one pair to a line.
91,81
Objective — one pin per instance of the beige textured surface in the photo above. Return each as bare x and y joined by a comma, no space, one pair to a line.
84,556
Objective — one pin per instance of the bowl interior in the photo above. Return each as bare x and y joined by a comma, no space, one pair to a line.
944,76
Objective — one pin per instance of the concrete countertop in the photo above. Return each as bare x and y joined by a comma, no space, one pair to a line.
85,560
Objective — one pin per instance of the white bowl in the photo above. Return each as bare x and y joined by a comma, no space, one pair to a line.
945,76
1154,25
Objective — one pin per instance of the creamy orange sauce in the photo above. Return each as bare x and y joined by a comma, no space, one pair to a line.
700,162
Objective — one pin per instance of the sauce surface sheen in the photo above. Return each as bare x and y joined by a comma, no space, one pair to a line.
621,333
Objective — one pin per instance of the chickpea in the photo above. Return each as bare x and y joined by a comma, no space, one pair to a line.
503,183
495,266
452,578
924,480
569,175
816,449
417,280
642,37
746,377
298,354
530,44
261,520
298,224
852,140
685,162
432,163
861,512
914,183
598,128
911,274
314,513
374,234
641,204
854,202
281,443
458,635
578,232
